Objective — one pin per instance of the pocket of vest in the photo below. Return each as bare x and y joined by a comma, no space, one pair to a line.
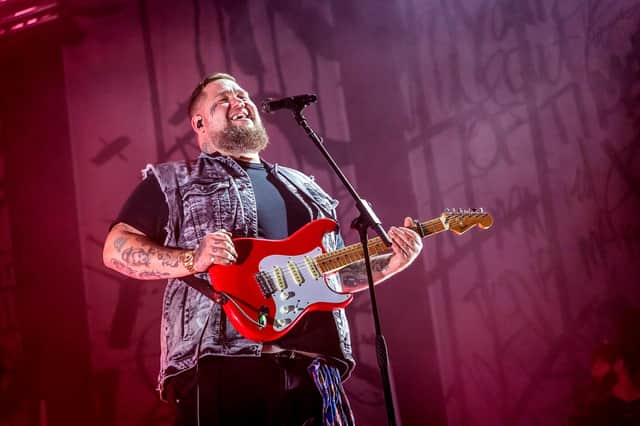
205,205
205,189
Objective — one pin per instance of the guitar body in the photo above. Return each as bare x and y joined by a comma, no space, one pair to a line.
274,283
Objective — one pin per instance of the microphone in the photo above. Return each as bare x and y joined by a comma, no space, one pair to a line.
294,103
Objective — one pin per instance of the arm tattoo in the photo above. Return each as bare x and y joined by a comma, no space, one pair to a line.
168,260
119,243
123,268
140,254
355,274
136,256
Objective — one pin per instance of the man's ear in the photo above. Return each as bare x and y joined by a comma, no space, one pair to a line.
197,122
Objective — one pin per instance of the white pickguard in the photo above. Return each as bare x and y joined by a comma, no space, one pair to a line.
294,298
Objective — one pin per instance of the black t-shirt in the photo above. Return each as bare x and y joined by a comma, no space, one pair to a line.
146,210
280,213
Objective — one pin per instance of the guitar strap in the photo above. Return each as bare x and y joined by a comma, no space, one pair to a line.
204,286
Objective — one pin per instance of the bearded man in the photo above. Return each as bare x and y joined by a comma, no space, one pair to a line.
181,220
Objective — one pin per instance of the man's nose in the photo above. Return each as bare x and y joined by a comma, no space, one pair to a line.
236,100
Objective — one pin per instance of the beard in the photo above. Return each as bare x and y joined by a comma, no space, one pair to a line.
238,140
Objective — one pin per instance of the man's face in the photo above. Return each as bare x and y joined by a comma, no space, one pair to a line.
231,121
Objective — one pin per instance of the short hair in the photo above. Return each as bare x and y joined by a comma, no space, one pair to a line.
197,92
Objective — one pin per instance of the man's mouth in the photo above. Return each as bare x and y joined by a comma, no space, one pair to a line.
240,117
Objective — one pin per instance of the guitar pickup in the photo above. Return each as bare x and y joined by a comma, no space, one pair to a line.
311,266
295,272
279,276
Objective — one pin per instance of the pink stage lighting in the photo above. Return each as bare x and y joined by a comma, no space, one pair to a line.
20,15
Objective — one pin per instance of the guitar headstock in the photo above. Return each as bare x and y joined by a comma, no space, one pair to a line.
460,221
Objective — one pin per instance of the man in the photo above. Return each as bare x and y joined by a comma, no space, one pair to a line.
181,220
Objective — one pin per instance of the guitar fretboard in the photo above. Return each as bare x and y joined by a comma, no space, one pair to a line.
335,260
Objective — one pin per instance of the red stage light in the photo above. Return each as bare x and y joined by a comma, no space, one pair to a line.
25,11
20,15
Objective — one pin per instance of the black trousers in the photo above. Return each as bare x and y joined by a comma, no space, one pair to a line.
273,390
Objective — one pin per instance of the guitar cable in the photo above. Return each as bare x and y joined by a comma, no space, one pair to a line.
237,305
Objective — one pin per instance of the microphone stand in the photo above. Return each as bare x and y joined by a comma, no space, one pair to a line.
367,219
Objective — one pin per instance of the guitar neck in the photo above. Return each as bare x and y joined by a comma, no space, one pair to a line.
335,260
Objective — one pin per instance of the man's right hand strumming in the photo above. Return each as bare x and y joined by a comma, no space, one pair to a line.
215,247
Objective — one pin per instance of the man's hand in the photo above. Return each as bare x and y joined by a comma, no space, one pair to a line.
406,247
215,247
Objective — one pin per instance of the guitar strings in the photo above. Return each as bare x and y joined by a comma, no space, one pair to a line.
320,261
343,252
348,251
356,249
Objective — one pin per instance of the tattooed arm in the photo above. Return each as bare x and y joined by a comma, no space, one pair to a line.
354,276
132,253
405,249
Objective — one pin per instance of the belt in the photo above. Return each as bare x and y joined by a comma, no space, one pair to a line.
280,352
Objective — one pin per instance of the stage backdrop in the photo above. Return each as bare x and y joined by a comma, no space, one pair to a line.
527,108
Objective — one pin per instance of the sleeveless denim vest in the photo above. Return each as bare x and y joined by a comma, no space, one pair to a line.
206,195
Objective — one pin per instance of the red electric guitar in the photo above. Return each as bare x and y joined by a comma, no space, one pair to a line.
275,282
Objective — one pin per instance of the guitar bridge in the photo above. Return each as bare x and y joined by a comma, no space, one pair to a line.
266,284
